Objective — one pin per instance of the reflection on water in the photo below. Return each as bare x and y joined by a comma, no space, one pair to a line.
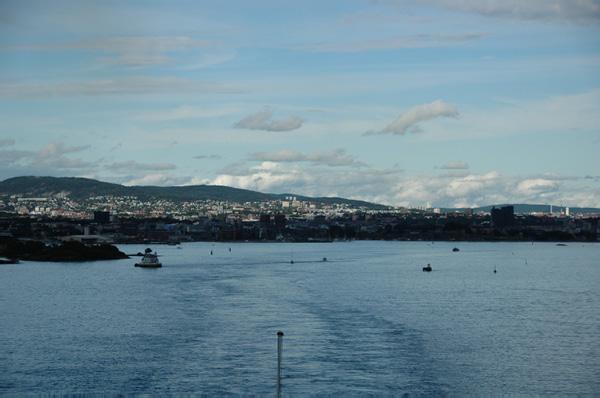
367,320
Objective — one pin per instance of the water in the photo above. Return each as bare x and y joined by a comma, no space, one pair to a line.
367,321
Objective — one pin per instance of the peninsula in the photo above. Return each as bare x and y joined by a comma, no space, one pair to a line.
14,249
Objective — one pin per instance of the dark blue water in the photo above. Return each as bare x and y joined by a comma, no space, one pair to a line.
367,321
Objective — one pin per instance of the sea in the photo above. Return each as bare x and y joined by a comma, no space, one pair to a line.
358,318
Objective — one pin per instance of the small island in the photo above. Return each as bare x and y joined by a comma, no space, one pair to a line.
64,252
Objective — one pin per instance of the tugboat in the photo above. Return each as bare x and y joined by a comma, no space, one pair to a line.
428,268
149,260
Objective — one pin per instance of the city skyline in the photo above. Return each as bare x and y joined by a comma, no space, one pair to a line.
439,104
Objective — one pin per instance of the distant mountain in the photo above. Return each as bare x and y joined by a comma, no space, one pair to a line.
83,188
77,188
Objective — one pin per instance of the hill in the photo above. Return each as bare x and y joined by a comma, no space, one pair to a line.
83,188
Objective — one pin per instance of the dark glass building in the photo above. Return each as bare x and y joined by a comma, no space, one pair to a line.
503,217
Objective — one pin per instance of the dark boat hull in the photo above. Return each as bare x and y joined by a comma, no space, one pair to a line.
148,265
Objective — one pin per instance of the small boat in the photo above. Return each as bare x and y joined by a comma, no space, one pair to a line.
455,249
428,268
149,260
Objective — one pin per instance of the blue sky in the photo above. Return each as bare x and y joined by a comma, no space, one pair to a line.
452,103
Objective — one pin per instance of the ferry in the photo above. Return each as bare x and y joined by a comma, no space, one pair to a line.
149,260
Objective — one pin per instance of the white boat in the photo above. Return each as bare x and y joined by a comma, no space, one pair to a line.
150,260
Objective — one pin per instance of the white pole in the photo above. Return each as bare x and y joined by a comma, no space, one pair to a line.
279,348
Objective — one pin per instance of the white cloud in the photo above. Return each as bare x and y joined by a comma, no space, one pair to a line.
335,157
159,179
57,149
395,187
279,178
537,186
475,190
416,114
197,181
212,157
50,160
260,121
463,187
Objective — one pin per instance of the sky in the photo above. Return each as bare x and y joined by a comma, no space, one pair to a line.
456,103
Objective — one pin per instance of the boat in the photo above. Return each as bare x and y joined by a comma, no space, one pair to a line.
455,249
150,260
428,268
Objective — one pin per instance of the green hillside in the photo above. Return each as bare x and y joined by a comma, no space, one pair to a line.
83,188
77,188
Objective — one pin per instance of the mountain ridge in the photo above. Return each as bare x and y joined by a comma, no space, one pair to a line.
83,188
